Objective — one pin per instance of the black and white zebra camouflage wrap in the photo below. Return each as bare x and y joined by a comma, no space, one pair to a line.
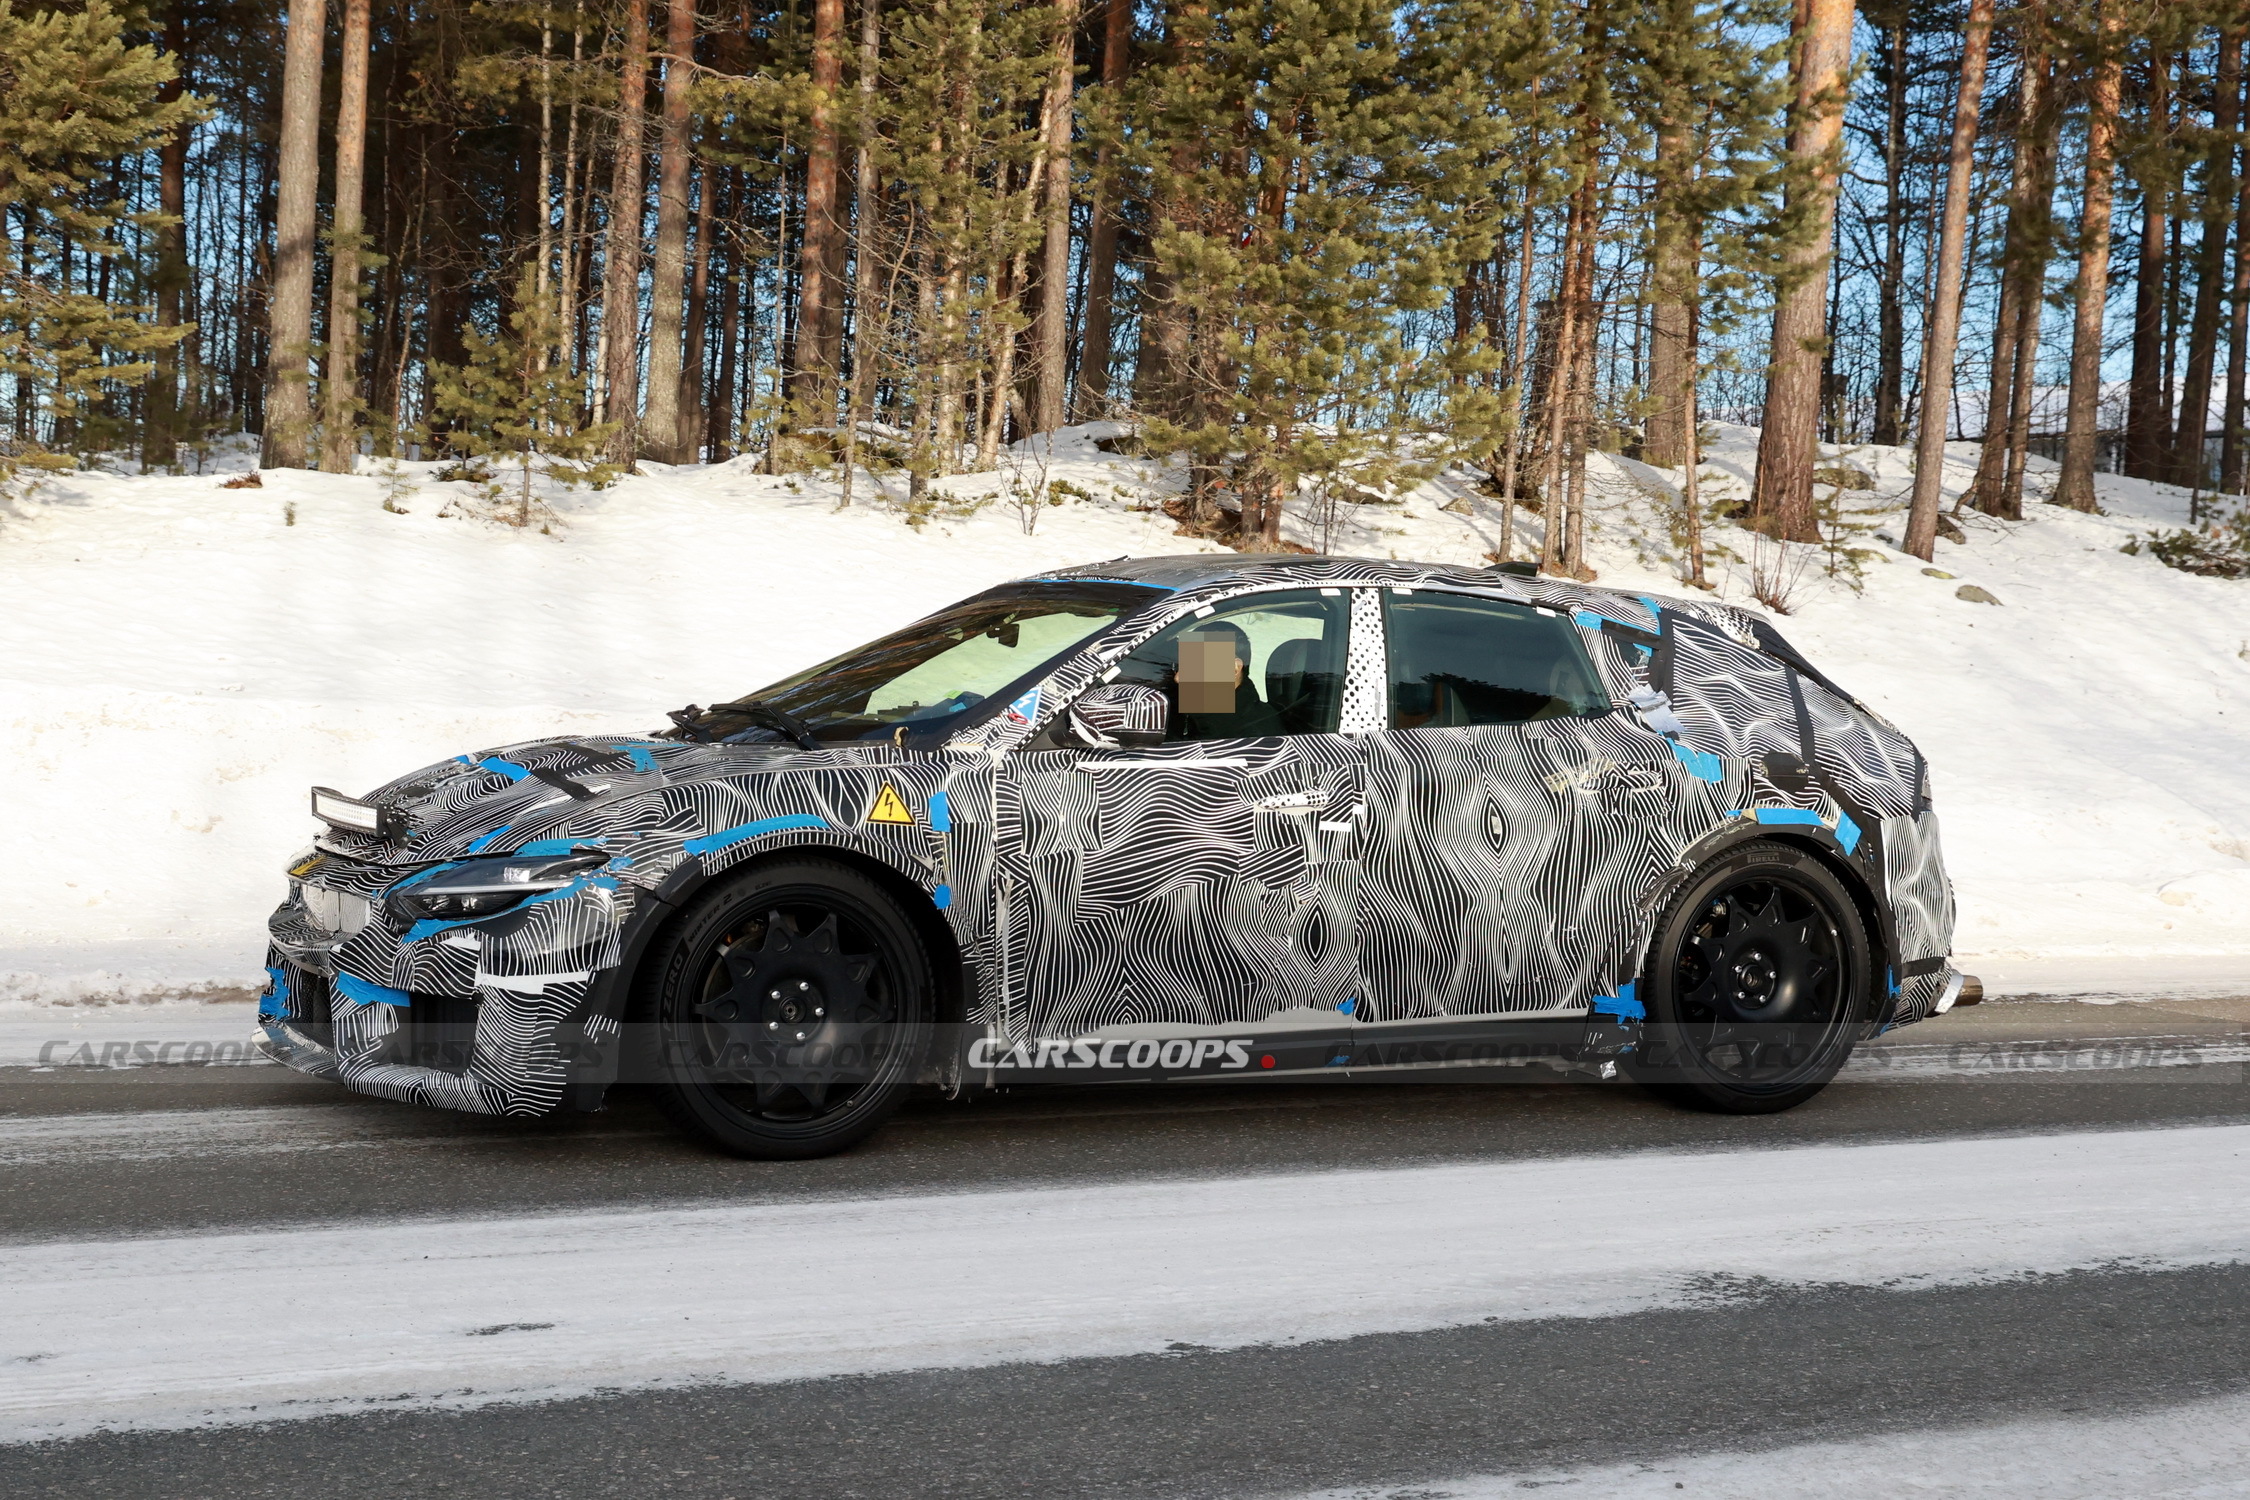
1358,884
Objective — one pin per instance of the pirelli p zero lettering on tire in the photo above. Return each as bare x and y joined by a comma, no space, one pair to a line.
792,1008
1758,982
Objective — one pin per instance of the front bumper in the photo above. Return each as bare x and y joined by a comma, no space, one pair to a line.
495,1017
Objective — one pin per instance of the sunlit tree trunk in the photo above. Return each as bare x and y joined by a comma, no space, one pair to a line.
663,434
296,209
621,258
2148,425
820,294
2188,467
1945,313
2080,435
339,429
1781,500
1051,326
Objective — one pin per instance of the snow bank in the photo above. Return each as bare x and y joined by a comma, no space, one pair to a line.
181,660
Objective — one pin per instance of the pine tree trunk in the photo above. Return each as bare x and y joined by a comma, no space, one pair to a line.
2006,500
867,218
1890,358
1559,406
1579,419
2015,274
2189,468
160,432
2148,426
574,250
1519,366
1164,382
1781,501
721,419
1099,314
820,294
2081,437
621,250
1945,313
2234,448
663,434
698,323
288,424
1676,234
1051,325
339,429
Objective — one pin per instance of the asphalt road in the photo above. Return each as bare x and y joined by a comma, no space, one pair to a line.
99,1155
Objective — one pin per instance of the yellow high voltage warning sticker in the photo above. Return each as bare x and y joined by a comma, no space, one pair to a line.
889,807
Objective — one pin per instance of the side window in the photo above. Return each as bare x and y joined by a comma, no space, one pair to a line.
1263,665
1462,660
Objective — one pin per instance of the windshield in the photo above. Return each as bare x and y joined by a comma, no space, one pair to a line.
927,680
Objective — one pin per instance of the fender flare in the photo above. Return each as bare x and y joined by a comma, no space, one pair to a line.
1814,839
595,1065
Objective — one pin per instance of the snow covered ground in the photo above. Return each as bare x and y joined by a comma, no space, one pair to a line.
155,1331
2196,1451
182,660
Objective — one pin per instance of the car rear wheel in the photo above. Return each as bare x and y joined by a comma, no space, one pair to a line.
792,1009
1757,987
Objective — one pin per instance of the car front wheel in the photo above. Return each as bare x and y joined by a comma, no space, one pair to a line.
1757,985
792,1008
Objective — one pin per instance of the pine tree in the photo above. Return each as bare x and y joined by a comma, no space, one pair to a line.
1293,261
517,398
74,98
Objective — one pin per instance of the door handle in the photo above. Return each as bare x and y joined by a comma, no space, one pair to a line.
1291,802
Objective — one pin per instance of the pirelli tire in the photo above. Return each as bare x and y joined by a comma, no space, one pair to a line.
1760,978
792,1007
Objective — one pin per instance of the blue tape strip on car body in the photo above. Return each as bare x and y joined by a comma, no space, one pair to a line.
272,1003
484,841
643,758
1701,764
1789,815
942,897
727,838
507,768
940,809
362,992
1623,1005
1655,610
1847,832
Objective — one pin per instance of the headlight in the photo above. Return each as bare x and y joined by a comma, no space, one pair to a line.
483,887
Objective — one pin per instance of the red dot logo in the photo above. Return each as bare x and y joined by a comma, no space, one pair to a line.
1266,1061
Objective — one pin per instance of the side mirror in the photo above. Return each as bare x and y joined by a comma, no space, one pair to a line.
1119,716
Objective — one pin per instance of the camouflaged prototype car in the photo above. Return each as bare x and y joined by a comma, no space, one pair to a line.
1161,818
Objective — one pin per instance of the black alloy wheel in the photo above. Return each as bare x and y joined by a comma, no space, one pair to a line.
792,1010
1758,984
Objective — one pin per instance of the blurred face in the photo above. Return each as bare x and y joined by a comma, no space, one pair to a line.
1213,664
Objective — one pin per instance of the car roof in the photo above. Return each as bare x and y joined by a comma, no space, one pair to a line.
1203,570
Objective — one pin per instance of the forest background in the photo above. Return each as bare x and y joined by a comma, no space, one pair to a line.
1305,246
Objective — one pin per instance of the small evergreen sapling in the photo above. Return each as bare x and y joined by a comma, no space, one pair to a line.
517,398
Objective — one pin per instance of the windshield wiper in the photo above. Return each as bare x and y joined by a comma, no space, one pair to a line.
691,720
